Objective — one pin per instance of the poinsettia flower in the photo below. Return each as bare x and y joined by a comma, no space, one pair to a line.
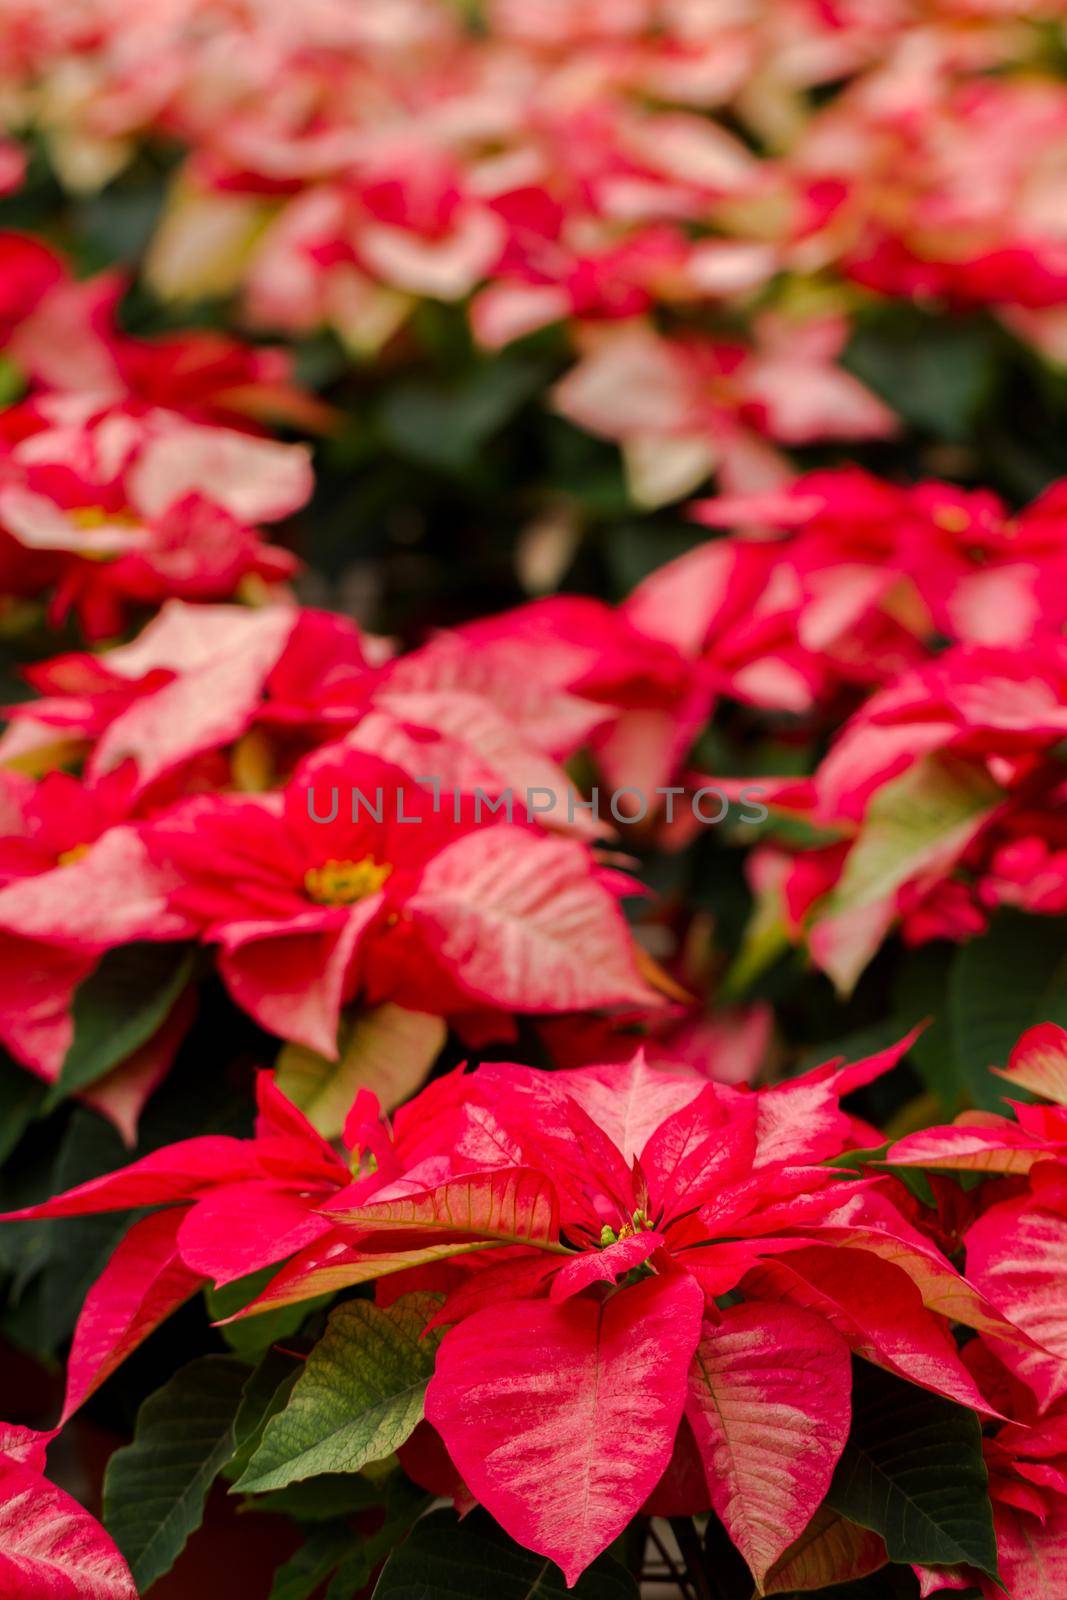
567,255
684,407
722,1195
653,697
619,1202
941,778
778,624
68,339
420,229
953,563
400,221
466,710
304,274
228,1208
65,335
217,696
982,1141
337,207
195,550
1028,1488
359,880
730,1044
561,262
191,683
53,822
129,505
1026,865
523,663
906,144
215,379
12,167
75,881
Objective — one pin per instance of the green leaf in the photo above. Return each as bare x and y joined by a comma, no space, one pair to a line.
389,1050
21,1097
333,1548
443,1559
1001,984
12,382
913,1472
359,1397
937,373
405,1503
919,990
119,1007
155,1488
335,1494
266,1392
317,1558
445,422
118,222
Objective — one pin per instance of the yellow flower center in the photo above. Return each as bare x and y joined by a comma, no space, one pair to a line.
953,519
342,883
90,518
640,1223
67,858
97,517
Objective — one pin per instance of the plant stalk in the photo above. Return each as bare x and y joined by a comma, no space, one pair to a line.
693,1555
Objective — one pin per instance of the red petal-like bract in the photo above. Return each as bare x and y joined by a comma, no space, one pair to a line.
1001,1146
294,984
882,1231
1039,1062
562,1417
769,1405
50,1547
1033,1555
25,1444
877,1309
178,1172
245,1227
144,1281
231,651
329,1265
1017,1255
630,1100
522,923
513,1206
603,1266
531,1199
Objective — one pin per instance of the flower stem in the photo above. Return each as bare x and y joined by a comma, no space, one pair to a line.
693,1555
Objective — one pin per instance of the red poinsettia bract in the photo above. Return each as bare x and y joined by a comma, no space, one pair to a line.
1016,1254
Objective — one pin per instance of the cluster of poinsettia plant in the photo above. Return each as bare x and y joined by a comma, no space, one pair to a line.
624,1290
435,847
345,166
650,1288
